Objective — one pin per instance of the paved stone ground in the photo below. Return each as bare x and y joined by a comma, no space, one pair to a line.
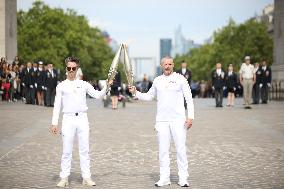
227,147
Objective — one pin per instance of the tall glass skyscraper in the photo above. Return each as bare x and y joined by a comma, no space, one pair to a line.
165,47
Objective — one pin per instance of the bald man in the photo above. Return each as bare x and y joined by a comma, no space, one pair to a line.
170,89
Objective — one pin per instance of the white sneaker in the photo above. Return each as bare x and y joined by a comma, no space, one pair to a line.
88,182
63,183
183,183
163,183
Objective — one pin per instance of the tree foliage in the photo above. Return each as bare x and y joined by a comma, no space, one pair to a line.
230,45
52,34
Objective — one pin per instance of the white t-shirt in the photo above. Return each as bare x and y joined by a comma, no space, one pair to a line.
72,96
170,92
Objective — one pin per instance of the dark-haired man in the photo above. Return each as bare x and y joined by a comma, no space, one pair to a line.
71,94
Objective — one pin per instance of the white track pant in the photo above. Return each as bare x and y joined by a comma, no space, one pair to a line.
71,126
165,131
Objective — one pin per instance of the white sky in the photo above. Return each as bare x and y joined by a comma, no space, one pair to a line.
141,23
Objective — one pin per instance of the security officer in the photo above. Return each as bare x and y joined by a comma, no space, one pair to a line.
218,83
187,74
257,85
170,89
265,81
50,84
71,94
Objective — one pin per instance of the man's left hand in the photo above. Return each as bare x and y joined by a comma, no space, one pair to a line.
188,123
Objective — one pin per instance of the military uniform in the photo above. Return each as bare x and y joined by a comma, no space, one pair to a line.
256,86
218,82
50,85
28,80
266,83
188,75
40,80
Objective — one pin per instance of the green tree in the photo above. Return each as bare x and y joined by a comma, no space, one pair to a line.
231,44
51,34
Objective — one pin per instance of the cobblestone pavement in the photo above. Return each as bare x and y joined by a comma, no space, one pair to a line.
227,147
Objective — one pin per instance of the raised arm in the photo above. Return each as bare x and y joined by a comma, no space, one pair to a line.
95,93
57,105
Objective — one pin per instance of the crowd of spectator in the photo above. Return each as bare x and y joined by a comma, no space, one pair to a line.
32,82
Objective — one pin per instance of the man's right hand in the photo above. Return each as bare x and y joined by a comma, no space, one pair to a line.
132,89
53,129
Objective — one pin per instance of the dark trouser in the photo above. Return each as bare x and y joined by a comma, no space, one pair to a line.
255,93
30,95
264,93
44,97
50,95
219,96
23,91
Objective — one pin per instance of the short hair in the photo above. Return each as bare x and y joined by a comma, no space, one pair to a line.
72,59
165,58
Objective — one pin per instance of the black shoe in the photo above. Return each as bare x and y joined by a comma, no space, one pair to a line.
264,102
247,107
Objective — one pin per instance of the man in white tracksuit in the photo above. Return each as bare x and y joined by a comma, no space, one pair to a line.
71,94
170,89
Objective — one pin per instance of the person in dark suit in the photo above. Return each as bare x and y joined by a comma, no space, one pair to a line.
218,82
265,81
114,92
187,74
28,82
34,78
257,84
40,83
231,82
50,84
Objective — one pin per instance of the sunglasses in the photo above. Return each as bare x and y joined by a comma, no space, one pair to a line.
71,68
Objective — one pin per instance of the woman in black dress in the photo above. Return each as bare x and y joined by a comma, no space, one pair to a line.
114,92
231,84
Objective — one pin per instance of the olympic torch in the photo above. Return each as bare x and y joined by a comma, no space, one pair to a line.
113,68
128,68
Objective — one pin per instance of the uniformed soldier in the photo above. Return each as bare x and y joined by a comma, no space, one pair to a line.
187,74
218,83
40,83
34,78
256,86
71,94
265,81
50,84
170,89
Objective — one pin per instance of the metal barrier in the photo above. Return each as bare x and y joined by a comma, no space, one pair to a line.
276,91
